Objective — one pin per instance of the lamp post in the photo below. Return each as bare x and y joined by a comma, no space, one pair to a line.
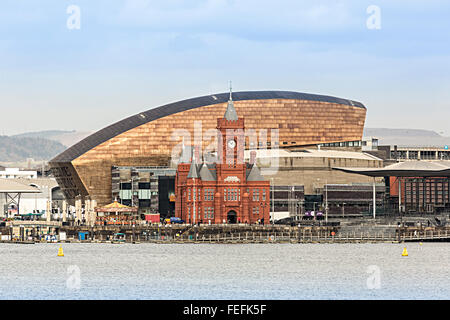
326,201
195,196
273,199
132,196
301,208
400,197
374,199
132,191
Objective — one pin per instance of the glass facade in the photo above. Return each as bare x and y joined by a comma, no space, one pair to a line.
342,144
148,188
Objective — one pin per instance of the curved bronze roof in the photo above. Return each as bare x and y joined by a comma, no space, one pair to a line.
141,118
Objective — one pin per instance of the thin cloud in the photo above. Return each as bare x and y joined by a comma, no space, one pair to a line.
260,20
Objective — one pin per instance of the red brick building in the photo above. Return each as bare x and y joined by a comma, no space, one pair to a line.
227,191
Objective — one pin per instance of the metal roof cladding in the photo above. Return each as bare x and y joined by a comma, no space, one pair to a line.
16,186
418,168
144,117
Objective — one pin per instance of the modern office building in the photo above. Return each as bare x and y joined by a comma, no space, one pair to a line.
405,153
420,186
310,173
151,189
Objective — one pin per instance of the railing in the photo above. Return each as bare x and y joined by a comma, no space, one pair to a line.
425,235
27,223
259,237
225,237
346,237
277,237
289,237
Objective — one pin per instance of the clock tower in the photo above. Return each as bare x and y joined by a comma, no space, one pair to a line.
231,142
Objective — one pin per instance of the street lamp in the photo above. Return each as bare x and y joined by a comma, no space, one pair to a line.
194,194
326,201
343,209
273,201
301,204
132,190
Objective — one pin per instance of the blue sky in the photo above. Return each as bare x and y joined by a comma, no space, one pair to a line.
133,55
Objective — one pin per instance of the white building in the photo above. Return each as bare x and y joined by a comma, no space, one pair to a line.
369,144
48,190
14,173
38,201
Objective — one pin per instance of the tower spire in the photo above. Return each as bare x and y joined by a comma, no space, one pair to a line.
193,170
184,156
230,113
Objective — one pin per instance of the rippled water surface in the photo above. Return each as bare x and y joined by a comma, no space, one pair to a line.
221,271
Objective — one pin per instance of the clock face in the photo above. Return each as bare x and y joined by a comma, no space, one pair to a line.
231,144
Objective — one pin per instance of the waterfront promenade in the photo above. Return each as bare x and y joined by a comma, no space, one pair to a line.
236,234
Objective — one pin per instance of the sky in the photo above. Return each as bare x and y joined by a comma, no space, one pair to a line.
85,68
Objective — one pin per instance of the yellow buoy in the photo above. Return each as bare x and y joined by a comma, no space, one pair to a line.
405,252
60,252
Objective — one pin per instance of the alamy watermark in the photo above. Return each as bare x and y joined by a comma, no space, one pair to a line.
74,20
374,279
208,145
73,282
373,22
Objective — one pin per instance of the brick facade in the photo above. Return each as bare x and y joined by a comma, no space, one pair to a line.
232,190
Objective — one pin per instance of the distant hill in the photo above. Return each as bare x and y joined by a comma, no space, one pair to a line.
407,137
13,149
400,132
67,138
42,134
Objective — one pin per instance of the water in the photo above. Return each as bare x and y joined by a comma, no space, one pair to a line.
221,271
